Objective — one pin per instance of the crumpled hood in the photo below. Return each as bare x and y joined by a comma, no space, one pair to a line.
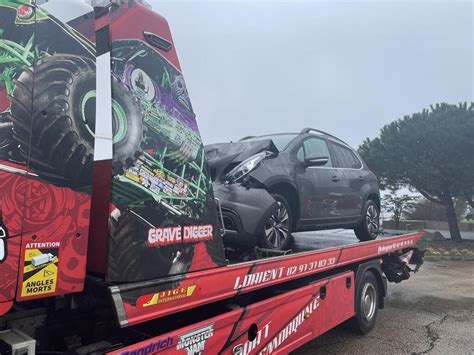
224,155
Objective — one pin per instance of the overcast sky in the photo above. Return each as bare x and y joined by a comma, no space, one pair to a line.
345,67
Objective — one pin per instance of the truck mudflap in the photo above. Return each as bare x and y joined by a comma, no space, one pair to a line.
276,325
139,302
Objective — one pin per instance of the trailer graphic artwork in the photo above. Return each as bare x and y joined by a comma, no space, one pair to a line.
291,327
166,164
195,341
41,125
161,188
270,345
159,170
45,165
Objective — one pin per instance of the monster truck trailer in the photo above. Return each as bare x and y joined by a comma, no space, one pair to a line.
110,237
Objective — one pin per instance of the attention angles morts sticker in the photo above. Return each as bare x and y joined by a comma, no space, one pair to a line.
40,269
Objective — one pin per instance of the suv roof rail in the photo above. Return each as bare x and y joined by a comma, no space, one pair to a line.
308,130
246,137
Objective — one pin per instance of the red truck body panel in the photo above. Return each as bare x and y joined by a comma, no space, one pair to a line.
282,323
199,288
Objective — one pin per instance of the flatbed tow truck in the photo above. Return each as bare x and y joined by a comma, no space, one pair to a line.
110,237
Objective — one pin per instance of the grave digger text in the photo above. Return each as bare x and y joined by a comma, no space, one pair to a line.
158,237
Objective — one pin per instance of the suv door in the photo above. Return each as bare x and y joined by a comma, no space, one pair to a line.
347,162
321,195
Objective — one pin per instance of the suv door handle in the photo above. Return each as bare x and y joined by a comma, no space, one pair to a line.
335,178
361,178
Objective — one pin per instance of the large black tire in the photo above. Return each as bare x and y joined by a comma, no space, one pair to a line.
277,229
368,228
54,125
131,260
367,305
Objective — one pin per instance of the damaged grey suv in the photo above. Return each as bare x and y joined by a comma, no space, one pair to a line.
270,186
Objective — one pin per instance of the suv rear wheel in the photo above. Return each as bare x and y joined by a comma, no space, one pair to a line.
368,228
277,230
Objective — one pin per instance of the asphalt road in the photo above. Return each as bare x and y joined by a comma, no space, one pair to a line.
431,313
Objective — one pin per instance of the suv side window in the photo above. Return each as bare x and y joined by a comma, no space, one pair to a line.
314,146
344,157
357,163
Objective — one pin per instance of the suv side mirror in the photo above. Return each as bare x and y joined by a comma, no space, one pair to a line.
316,160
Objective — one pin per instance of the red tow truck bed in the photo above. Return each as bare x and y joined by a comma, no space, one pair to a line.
273,305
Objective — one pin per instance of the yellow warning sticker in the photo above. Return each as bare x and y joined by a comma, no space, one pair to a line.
40,272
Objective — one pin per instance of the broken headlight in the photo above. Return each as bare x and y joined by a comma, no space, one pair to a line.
244,168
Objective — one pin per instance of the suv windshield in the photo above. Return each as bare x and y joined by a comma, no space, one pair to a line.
280,140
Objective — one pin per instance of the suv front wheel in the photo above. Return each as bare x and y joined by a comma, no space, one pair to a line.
277,230
368,228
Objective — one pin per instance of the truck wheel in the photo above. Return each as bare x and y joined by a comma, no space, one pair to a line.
55,123
367,305
369,226
277,229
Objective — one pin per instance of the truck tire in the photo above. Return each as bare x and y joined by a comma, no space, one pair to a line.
367,304
131,260
52,111
276,232
368,228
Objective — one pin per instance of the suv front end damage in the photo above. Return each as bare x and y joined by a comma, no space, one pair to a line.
246,203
